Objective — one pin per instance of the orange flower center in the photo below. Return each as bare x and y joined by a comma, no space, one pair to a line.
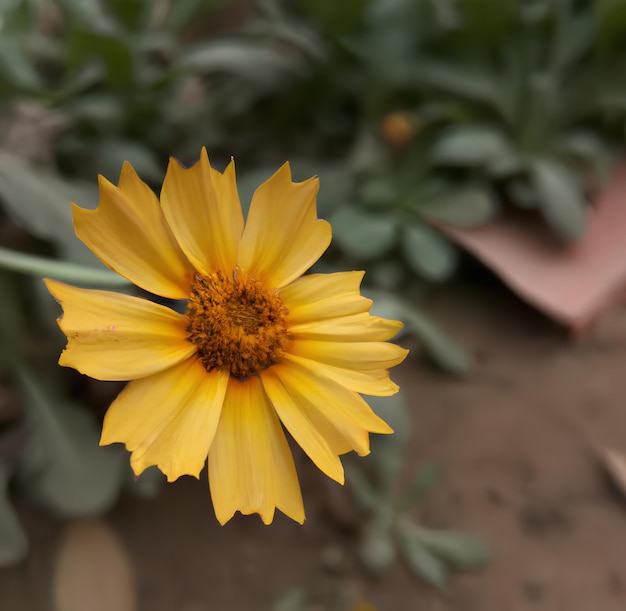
237,323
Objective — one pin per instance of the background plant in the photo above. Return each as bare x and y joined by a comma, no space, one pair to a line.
412,112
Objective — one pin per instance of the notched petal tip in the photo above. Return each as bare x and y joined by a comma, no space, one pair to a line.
283,172
126,173
266,519
384,429
128,233
203,211
53,287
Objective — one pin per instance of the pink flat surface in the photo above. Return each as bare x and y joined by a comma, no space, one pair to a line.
571,284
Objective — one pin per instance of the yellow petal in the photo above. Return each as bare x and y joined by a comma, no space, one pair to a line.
354,328
347,411
283,236
250,464
373,382
337,441
361,356
316,297
203,211
168,419
128,233
302,429
112,336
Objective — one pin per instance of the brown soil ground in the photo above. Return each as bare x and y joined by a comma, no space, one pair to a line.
517,442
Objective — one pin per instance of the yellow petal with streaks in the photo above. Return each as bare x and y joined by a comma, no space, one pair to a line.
168,419
361,356
346,410
283,236
203,211
128,232
251,469
375,382
112,336
317,297
360,327
301,427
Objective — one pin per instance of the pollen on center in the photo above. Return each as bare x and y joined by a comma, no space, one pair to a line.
237,323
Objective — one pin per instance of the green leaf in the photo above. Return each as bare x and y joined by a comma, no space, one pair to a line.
469,206
390,40
104,109
575,38
182,11
485,22
63,467
13,540
444,352
291,599
387,274
336,17
561,198
379,192
467,83
362,234
133,14
475,146
589,149
41,203
111,153
89,14
111,50
522,193
424,563
15,68
428,252
544,112
365,496
239,57
426,478
19,16
377,550
461,551
611,19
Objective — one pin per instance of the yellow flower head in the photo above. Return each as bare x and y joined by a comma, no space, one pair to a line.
259,344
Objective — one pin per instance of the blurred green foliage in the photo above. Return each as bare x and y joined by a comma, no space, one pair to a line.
412,112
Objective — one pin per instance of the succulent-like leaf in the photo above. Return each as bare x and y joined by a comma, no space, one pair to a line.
461,551
40,202
362,234
444,351
476,146
561,199
424,563
428,252
469,206
62,466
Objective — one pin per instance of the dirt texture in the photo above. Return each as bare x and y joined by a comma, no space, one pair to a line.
519,443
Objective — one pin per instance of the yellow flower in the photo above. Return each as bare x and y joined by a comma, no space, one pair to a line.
259,344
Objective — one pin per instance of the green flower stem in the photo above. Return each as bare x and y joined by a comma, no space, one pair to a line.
58,270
